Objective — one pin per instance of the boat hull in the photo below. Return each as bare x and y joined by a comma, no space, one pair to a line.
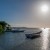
33,35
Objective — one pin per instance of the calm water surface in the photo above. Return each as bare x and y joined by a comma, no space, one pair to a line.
18,41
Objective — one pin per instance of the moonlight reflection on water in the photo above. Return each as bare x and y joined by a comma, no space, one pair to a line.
45,41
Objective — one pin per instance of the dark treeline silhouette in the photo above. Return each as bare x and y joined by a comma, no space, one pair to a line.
4,26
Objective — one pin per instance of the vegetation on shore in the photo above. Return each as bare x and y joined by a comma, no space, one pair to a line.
1,29
3,26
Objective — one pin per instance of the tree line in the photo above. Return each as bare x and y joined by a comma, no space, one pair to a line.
3,26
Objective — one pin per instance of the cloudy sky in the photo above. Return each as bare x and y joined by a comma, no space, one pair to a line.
25,13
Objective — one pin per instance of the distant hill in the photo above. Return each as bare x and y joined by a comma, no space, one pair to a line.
24,28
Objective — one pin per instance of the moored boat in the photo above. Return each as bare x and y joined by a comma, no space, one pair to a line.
33,35
17,30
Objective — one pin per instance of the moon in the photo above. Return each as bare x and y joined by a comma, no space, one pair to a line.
44,8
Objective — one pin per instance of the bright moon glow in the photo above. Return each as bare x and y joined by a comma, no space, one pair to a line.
44,8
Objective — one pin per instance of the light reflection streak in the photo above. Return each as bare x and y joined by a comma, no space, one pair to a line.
45,36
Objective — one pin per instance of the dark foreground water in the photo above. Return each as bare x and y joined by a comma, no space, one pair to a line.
18,41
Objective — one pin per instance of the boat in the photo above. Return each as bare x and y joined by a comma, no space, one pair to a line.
17,30
38,32
33,35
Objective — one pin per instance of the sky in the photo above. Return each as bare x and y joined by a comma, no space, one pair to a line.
24,13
